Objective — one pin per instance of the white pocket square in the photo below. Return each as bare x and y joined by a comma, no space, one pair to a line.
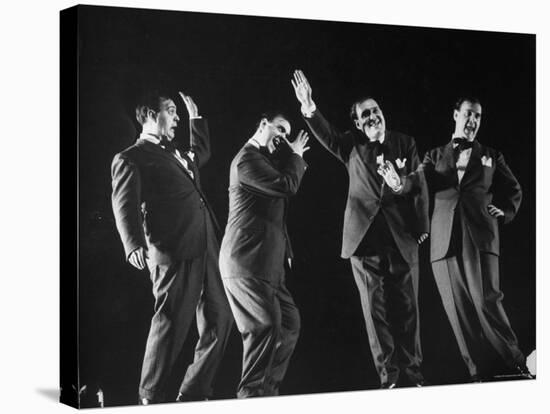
400,163
486,161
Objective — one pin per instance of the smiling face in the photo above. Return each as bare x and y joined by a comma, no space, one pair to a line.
274,131
370,119
167,119
467,120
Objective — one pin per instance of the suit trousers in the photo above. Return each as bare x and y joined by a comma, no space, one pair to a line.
269,323
468,282
388,288
181,290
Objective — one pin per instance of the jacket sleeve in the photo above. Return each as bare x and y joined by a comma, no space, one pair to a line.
337,143
126,201
420,197
508,193
200,141
259,175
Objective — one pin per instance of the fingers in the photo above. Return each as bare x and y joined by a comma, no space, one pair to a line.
137,258
187,100
184,97
495,211
300,79
302,136
385,169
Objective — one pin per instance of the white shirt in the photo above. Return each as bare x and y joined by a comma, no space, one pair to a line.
462,161
153,139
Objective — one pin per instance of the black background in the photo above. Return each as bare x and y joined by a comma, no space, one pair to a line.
235,68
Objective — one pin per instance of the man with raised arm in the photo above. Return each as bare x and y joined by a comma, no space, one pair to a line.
382,231
474,190
165,223
255,249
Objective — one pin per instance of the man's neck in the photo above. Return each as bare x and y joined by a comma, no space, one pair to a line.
256,140
458,135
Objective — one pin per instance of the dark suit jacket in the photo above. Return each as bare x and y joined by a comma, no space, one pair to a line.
405,214
256,240
156,203
481,185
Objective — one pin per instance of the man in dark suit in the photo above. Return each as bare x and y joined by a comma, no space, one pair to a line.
254,249
474,190
166,224
382,231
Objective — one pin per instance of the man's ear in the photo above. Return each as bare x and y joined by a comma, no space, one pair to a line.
263,123
358,125
455,114
152,114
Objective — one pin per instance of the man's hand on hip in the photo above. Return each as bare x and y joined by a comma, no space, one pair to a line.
138,258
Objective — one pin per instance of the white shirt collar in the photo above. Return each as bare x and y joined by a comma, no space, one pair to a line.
381,139
254,142
149,137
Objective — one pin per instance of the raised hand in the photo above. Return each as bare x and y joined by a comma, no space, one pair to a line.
392,179
495,211
303,91
137,258
299,144
190,105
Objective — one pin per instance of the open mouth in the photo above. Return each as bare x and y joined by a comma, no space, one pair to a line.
371,123
470,129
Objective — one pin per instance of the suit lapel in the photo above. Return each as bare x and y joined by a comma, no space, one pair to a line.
448,163
157,150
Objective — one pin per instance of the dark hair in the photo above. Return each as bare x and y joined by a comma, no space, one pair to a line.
270,116
150,101
352,110
462,99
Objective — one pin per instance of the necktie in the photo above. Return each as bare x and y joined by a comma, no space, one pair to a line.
168,145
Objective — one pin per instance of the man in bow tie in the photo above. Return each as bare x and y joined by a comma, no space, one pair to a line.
474,190
382,231
166,224
256,251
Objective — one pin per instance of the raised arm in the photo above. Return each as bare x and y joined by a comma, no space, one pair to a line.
258,174
338,143
199,150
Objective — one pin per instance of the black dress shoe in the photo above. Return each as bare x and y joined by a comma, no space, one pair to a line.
524,372
476,379
185,398
388,385
145,401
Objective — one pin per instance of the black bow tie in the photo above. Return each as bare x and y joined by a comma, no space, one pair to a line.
377,145
168,145
462,144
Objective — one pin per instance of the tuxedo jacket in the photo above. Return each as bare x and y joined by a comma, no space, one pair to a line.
256,242
486,180
156,203
406,214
